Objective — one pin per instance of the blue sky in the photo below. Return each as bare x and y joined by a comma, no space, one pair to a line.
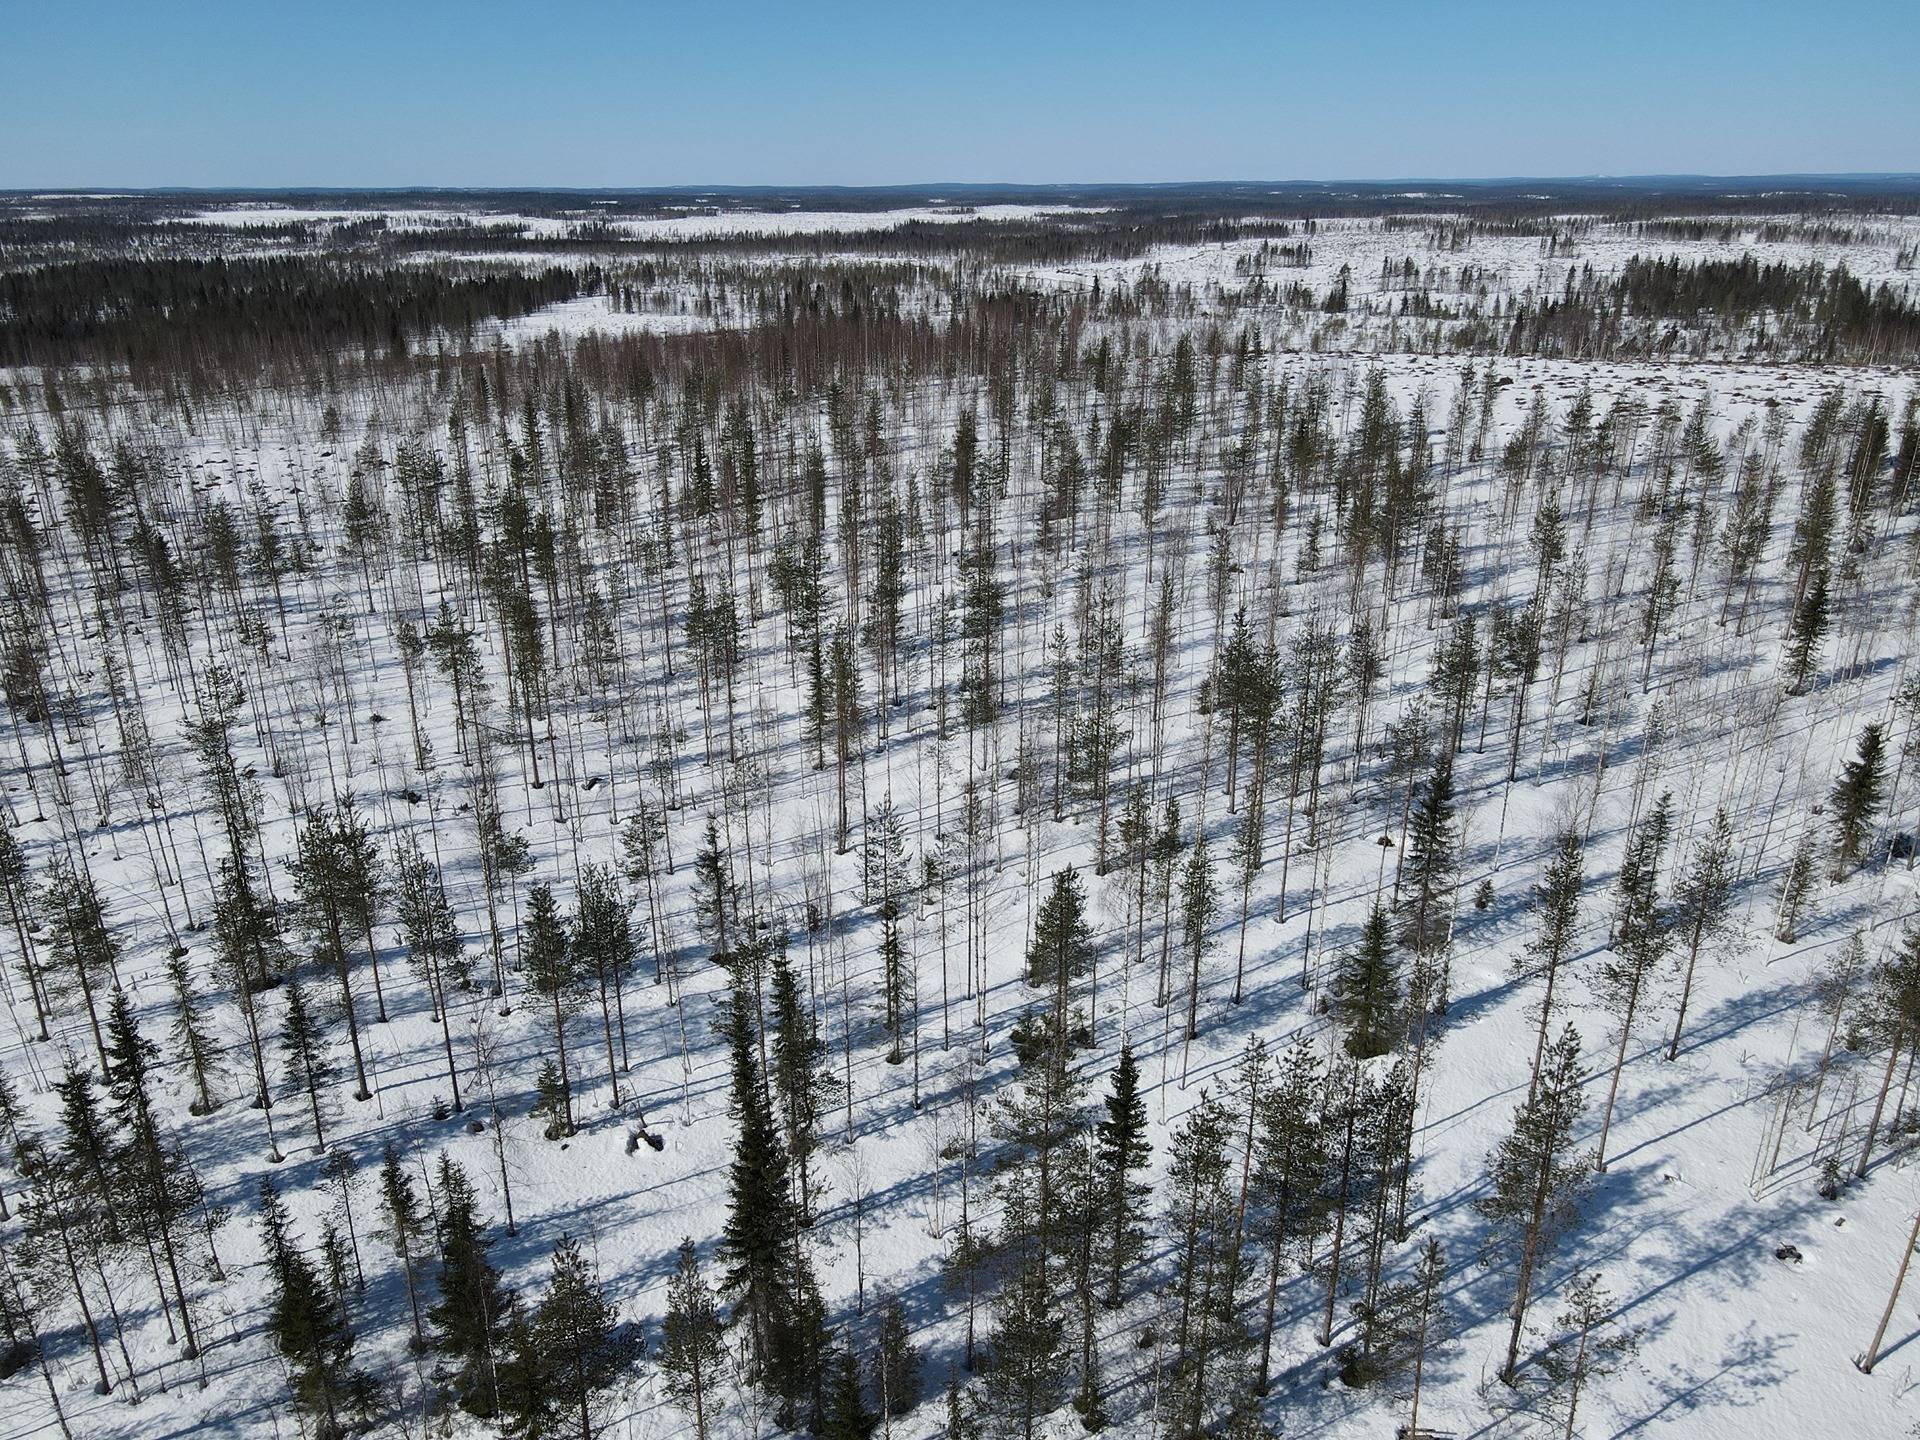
640,92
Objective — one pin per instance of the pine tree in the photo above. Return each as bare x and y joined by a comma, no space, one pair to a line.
1028,1377
843,672
1891,1017
884,880
1590,1345
339,1169
1642,935
306,1324
1857,797
1165,862
357,871
1795,889
692,1354
1535,1183
321,875
432,936
1199,905
1292,1177
476,1311
1366,989
603,953
1386,1334
575,1344
1122,1152
84,950
1201,1217
1431,1325
1061,950
963,1411
1703,908
1081,1228
248,951
15,890
1557,903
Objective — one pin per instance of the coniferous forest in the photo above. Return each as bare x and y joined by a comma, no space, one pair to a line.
1012,812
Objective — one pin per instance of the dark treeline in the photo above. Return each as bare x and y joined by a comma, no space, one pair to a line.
1808,311
172,310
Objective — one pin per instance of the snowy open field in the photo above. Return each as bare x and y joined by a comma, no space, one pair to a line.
305,536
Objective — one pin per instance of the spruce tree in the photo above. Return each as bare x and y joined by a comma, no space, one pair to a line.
847,1416
1429,861
546,954
1122,1151
803,1083
89,1187
1857,797
1805,633
896,1363
196,1046
160,1187
475,1312
306,1323
716,899
400,1208
1366,989
303,1051
767,1271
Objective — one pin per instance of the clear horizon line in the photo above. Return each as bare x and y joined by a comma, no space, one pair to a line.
689,187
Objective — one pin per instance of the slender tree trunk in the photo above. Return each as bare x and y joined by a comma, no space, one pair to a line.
1867,1361
1879,1106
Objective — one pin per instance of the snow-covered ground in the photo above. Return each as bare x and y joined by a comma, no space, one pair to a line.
1711,1173
698,223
